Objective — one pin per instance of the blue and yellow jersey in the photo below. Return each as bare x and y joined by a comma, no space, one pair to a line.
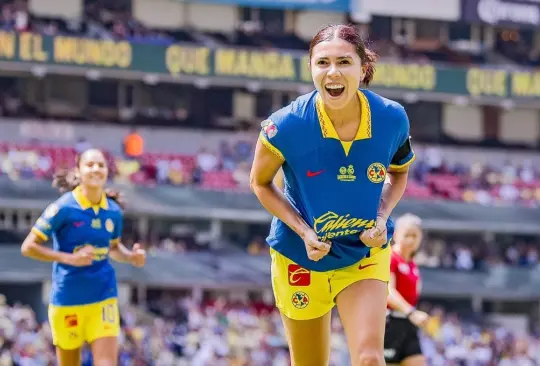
71,223
335,185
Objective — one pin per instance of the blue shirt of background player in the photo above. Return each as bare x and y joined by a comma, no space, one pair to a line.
334,185
73,222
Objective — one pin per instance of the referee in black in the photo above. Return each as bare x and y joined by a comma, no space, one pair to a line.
401,341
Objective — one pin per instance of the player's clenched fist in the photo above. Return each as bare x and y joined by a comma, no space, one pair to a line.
315,249
138,256
83,257
376,236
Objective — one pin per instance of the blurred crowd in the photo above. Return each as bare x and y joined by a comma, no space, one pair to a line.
227,167
488,182
436,252
179,331
476,256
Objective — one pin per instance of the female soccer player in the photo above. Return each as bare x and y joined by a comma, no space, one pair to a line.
85,226
401,343
345,154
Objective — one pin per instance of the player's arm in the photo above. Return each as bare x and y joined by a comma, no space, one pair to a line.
395,300
33,246
279,179
393,190
266,165
119,252
398,172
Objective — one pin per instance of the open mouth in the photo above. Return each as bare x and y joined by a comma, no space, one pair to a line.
335,90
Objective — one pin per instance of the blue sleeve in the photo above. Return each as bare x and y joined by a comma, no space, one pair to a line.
118,227
277,133
404,153
50,221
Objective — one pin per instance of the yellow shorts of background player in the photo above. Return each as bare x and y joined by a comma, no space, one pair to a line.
302,295
72,326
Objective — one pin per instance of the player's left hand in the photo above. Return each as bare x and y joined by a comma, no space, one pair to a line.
138,256
375,237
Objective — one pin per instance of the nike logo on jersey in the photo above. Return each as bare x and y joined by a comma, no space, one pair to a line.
366,266
314,174
78,223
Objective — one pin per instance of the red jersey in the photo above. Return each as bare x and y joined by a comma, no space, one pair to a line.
407,278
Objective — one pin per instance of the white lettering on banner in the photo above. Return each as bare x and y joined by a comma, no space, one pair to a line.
495,11
48,131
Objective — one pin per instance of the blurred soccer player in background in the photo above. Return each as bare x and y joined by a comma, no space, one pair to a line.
85,226
401,342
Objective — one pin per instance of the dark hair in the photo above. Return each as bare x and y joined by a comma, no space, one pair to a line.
66,180
350,34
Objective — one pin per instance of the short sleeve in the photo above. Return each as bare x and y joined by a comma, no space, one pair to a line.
49,222
276,134
118,227
404,153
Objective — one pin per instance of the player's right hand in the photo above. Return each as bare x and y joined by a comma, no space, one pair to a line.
419,318
315,249
83,257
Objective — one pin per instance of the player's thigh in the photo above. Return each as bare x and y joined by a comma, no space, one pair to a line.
362,308
70,357
67,327
309,340
304,300
102,331
416,360
105,351
300,294
361,292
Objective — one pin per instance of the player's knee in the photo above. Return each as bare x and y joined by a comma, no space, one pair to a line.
369,357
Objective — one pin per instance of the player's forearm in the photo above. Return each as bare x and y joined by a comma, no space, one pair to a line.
120,253
42,253
392,192
397,302
275,202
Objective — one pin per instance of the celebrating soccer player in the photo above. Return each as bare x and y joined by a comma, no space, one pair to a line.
345,154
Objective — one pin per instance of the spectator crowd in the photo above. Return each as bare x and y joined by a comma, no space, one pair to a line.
180,331
226,167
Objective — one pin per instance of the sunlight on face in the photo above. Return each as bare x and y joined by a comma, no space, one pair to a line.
93,169
337,72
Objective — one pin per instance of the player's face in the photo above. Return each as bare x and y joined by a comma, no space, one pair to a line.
337,71
93,169
409,237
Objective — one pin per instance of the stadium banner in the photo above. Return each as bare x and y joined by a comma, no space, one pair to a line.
341,6
512,13
237,65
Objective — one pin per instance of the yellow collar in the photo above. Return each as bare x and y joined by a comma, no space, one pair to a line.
86,204
327,128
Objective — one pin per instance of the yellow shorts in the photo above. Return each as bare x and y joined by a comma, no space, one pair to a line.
72,326
301,294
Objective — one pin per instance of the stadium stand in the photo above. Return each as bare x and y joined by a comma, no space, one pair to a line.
191,82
